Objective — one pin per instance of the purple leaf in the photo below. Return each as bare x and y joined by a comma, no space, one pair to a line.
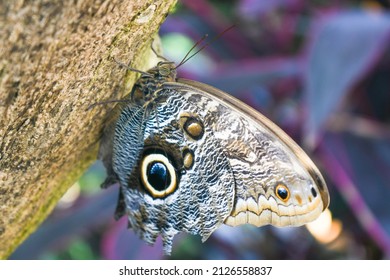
358,166
255,8
121,243
344,48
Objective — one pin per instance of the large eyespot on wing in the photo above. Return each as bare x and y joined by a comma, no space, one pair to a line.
275,181
157,174
182,181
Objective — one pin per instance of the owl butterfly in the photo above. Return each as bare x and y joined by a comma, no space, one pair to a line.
189,158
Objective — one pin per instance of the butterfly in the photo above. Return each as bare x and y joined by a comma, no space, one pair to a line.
189,158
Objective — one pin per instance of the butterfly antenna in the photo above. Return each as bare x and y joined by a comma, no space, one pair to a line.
155,52
187,57
192,48
131,69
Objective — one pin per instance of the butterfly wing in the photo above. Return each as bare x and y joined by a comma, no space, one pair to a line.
174,177
275,181
195,158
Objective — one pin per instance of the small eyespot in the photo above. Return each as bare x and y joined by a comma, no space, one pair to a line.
282,192
192,126
188,158
158,175
313,192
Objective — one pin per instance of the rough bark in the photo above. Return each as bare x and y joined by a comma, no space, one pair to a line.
56,59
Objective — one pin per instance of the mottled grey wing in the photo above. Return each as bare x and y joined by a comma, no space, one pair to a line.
174,176
275,181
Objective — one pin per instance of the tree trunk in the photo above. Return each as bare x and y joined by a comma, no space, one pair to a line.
56,59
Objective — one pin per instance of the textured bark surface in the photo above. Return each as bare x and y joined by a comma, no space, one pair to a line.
56,59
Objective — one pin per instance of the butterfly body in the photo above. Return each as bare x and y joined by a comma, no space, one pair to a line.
189,157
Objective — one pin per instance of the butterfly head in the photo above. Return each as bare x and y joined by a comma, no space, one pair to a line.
164,71
145,89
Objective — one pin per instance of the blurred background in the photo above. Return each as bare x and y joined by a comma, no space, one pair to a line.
321,71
